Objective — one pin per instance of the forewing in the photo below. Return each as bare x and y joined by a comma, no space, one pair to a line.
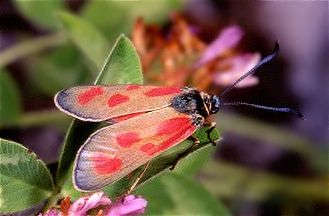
99,103
116,150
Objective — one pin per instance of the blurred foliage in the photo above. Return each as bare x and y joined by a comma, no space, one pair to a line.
72,52
93,45
10,100
30,47
228,180
108,16
41,12
179,195
122,65
112,17
275,136
60,69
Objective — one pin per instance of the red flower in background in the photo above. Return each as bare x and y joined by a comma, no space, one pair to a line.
179,57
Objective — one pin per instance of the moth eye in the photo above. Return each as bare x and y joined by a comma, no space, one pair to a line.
208,100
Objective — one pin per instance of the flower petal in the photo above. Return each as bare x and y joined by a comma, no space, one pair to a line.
227,39
130,205
51,212
82,205
238,66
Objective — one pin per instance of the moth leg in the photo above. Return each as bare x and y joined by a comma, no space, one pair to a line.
212,126
194,139
140,176
196,142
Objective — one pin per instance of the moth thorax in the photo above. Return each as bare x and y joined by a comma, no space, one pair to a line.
189,102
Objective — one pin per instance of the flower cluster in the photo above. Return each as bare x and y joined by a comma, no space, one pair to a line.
99,204
178,57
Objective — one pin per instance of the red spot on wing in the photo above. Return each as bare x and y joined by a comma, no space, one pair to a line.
149,149
104,164
173,138
161,91
127,139
117,99
90,94
172,125
125,117
177,137
132,87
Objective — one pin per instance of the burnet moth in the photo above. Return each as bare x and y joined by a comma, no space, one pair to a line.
144,122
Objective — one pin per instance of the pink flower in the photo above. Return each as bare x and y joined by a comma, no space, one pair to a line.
236,67
84,204
51,212
231,66
226,40
179,56
130,205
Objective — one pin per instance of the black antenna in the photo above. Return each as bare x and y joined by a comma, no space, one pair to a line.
275,109
254,69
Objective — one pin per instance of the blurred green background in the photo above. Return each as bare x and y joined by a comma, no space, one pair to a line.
267,164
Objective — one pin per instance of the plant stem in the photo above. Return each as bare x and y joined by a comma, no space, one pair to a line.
39,118
31,46
53,200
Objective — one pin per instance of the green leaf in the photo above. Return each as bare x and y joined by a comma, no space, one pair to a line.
122,65
25,180
41,12
10,100
174,194
196,161
60,68
192,164
31,211
86,37
79,131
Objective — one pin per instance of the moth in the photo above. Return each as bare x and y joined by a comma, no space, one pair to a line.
144,122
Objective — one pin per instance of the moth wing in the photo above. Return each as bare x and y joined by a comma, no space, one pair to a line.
100,103
116,150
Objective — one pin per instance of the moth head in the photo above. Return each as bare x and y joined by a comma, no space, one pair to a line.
215,103
211,102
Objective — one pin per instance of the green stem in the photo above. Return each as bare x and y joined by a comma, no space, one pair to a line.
230,181
31,46
52,202
39,118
